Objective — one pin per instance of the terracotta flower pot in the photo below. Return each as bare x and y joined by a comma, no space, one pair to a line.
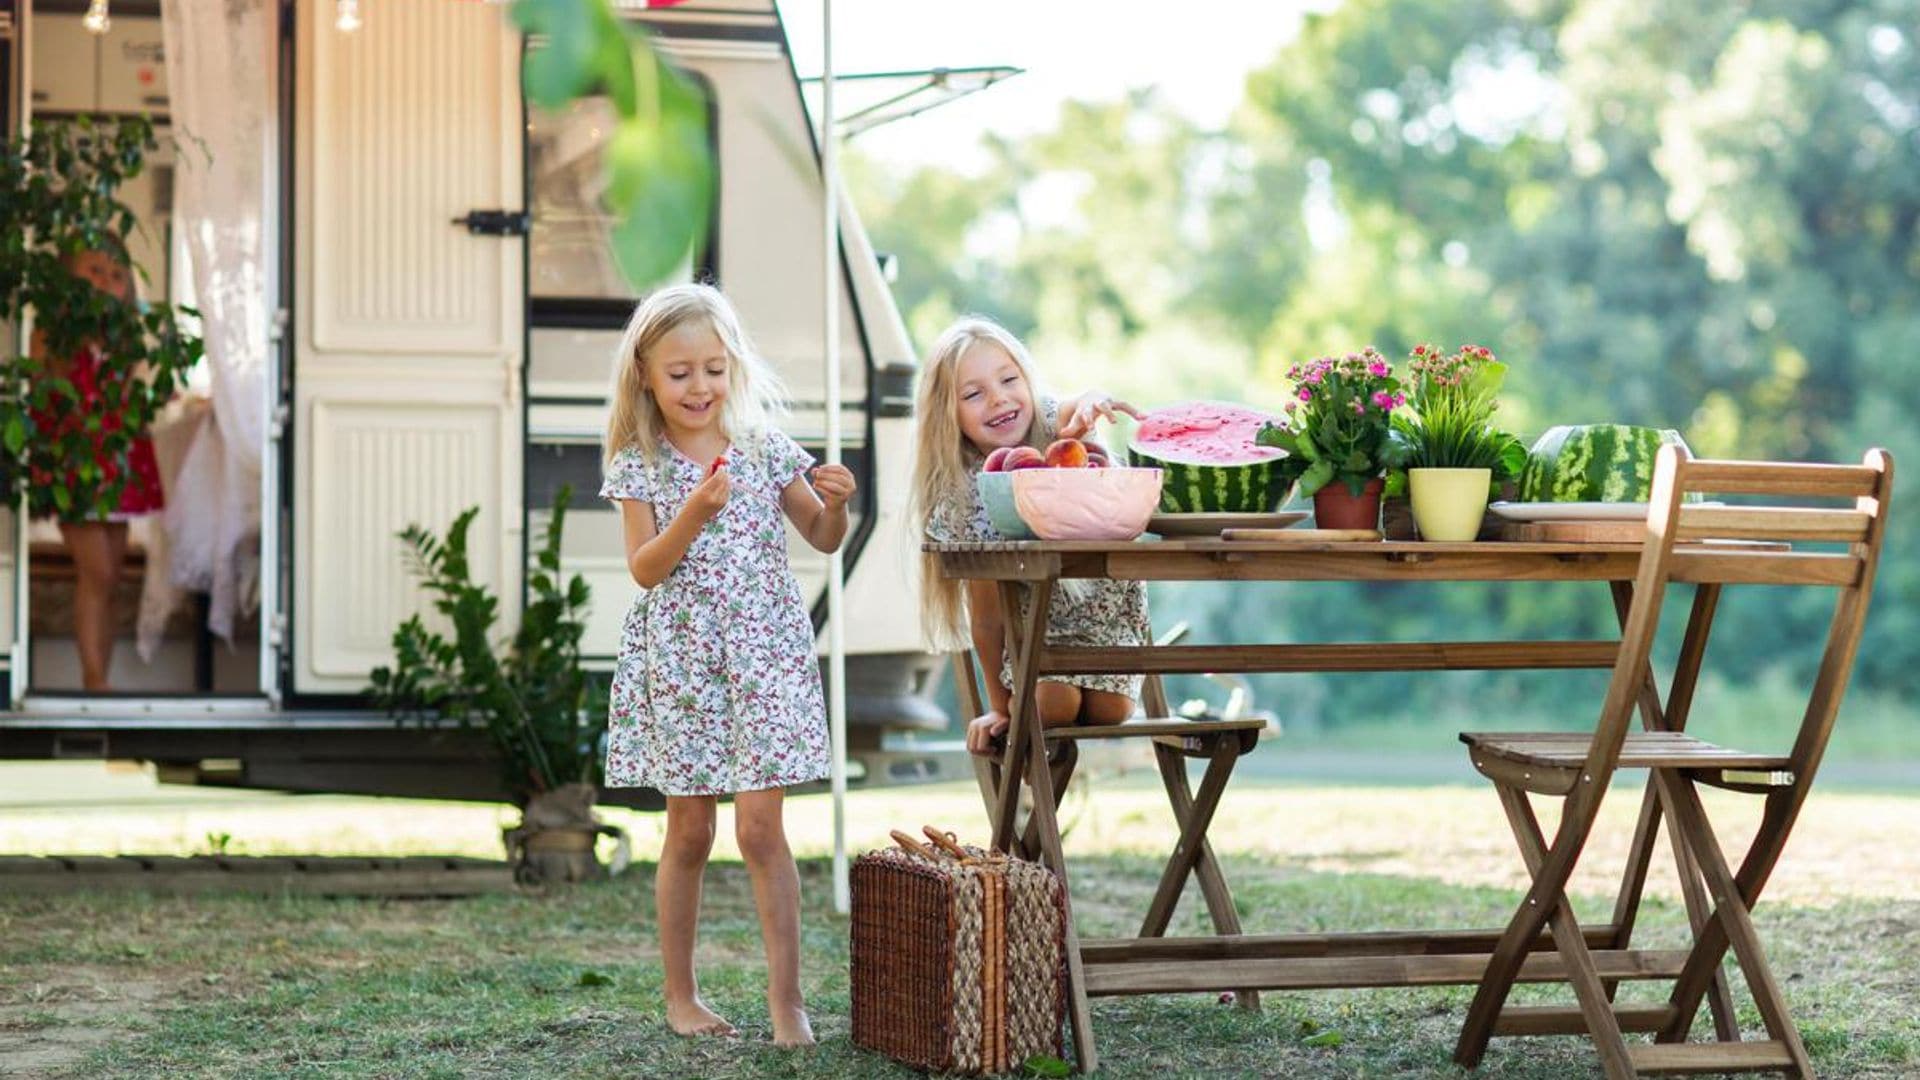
1334,507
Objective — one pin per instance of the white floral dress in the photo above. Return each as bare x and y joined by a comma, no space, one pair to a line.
1082,612
716,689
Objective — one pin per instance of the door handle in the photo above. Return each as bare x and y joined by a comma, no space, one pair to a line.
496,222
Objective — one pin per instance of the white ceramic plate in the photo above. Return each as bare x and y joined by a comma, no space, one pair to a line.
1211,524
1570,511
1575,511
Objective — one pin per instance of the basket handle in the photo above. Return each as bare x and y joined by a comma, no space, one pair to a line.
945,842
914,846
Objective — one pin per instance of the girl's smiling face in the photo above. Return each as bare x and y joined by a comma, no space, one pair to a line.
687,372
995,402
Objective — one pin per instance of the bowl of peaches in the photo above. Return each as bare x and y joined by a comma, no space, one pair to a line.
1069,491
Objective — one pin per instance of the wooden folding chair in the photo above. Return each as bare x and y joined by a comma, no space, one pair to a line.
1220,742
1578,768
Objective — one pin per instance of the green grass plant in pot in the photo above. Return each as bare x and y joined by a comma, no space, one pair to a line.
1453,452
1338,435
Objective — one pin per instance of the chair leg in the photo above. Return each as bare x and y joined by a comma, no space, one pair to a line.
1731,925
1596,1004
1061,761
1671,716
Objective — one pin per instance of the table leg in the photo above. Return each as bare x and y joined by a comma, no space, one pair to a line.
1047,832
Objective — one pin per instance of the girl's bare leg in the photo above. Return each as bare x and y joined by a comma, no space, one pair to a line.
762,836
676,895
97,547
1105,707
1059,703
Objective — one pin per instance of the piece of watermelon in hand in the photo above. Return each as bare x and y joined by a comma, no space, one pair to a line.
718,464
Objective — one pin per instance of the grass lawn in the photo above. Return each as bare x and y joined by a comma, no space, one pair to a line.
567,984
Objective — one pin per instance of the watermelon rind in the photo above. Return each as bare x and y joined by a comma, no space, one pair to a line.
1593,463
1194,488
1204,484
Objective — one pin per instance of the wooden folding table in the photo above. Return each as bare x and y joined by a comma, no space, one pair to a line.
1228,960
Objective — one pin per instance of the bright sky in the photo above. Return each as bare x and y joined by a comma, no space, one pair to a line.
1198,52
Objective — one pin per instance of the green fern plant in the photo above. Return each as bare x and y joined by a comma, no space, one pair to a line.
543,712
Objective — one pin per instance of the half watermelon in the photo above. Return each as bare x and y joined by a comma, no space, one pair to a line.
1209,461
1593,463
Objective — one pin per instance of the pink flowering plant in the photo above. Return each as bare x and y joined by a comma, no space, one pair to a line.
1339,425
1450,425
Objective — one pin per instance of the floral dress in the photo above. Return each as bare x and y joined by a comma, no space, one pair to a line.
1083,612
716,689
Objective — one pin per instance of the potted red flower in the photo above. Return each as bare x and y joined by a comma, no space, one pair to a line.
1337,434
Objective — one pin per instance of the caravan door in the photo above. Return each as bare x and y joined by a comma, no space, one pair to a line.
409,343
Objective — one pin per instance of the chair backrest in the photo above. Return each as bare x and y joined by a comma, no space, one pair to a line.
1760,544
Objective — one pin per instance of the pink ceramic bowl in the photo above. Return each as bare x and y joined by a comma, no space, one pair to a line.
1086,504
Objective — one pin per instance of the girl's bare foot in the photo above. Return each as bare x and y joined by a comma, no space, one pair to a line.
791,1027
694,1018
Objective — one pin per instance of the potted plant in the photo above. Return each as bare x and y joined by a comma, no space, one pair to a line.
1453,453
66,438
545,716
1337,434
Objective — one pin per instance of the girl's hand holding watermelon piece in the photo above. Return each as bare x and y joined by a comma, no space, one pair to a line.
1089,409
711,496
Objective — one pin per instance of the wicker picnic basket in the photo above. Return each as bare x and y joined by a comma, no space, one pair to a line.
958,956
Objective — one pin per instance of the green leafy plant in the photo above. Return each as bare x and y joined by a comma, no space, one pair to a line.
1450,426
1339,424
660,174
60,186
541,710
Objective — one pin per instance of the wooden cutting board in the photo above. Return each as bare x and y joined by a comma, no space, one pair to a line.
1574,532
1302,536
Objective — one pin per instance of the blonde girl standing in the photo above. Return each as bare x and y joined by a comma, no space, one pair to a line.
978,393
716,691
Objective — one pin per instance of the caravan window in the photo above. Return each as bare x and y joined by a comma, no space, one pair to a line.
572,276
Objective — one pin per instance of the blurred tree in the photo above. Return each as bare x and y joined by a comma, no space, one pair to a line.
1661,212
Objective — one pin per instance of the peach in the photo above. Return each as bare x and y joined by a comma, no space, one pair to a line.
997,461
1023,457
1067,454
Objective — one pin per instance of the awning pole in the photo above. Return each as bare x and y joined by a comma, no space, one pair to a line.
836,566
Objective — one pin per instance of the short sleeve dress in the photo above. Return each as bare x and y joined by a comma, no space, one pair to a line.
716,689
1082,612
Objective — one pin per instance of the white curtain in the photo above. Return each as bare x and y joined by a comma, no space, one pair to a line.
218,54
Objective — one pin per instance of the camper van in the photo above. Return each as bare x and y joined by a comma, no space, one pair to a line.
440,310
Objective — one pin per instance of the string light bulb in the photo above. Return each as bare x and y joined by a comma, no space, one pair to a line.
346,15
96,19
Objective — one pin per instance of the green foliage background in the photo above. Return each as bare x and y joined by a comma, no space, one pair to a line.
1698,216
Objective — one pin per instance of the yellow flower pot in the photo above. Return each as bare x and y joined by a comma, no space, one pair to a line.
1448,503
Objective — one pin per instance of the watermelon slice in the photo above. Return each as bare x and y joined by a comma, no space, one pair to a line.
1209,460
1593,463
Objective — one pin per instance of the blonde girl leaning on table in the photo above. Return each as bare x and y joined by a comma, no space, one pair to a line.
716,691
978,393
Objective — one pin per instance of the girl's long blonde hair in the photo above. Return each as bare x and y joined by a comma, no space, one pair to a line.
755,396
945,461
